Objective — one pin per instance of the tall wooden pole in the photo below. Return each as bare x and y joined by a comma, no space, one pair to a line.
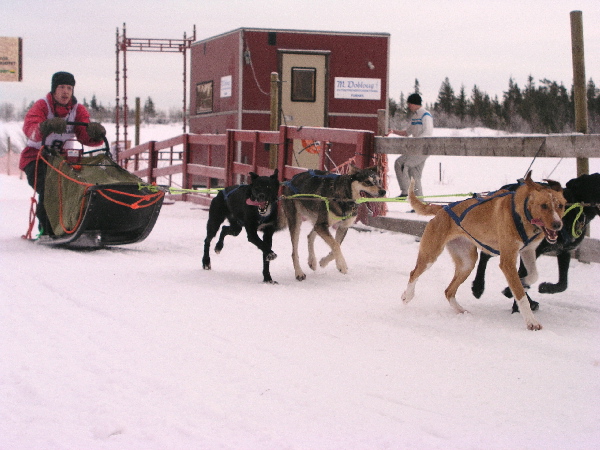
579,85
275,117
137,121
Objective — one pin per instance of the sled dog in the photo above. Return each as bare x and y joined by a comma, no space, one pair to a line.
327,200
583,190
507,223
251,206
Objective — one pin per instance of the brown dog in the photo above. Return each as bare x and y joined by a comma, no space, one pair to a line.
507,223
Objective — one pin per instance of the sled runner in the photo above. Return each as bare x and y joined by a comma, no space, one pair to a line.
93,202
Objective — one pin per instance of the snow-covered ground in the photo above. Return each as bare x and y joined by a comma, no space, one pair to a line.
137,347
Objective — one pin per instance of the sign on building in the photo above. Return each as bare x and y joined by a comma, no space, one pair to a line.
357,88
11,59
226,85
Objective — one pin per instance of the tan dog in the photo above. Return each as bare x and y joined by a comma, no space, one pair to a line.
506,223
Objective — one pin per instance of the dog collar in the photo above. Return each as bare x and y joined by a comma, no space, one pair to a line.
519,223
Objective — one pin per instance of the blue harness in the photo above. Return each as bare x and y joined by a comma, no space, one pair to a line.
289,183
516,218
227,193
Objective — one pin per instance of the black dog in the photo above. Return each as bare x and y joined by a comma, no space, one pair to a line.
251,206
585,190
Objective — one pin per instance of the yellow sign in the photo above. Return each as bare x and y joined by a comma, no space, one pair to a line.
11,59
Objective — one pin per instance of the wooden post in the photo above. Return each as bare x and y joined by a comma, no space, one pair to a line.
230,158
275,117
382,122
186,181
137,121
152,161
8,156
579,87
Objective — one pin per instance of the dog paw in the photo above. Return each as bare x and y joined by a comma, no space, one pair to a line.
206,263
343,270
300,277
341,266
456,307
270,282
206,266
477,289
270,256
549,288
312,263
409,293
326,260
534,325
507,292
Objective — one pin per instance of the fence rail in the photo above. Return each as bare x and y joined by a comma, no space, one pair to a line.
543,146
175,156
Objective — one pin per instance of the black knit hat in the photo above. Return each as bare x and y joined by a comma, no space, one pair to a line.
414,99
62,78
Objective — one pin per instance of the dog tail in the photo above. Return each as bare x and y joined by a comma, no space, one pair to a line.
420,207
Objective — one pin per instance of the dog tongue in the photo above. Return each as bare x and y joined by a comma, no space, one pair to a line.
551,235
255,203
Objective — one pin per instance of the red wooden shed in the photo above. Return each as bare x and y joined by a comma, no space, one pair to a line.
328,79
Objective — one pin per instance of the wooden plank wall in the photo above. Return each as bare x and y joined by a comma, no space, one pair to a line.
574,145
543,146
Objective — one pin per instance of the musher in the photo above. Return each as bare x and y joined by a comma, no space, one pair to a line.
48,117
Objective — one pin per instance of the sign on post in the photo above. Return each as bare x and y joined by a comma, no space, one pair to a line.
11,59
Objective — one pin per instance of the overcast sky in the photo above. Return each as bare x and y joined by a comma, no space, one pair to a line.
482,42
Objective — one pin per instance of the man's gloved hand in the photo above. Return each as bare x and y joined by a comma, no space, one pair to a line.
54,125
96,131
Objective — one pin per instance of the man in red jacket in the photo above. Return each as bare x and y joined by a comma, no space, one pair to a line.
48,117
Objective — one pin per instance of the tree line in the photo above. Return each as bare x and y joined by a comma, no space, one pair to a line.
100,113
547,107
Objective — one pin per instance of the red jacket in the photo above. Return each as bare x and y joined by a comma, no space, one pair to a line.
39,112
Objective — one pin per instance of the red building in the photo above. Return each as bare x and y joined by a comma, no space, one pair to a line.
328,79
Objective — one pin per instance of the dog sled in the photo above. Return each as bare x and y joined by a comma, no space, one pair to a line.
91,201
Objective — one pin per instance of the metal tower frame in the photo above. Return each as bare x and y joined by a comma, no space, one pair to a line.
125,44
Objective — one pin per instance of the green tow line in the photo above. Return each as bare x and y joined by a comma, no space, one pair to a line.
575,232
171,190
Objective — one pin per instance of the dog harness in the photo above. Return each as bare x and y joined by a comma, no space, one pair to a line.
349,208
516,218
289,183
227,193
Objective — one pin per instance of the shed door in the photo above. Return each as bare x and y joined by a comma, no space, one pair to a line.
303,99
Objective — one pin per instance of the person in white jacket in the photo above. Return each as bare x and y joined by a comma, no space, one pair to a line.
411,166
